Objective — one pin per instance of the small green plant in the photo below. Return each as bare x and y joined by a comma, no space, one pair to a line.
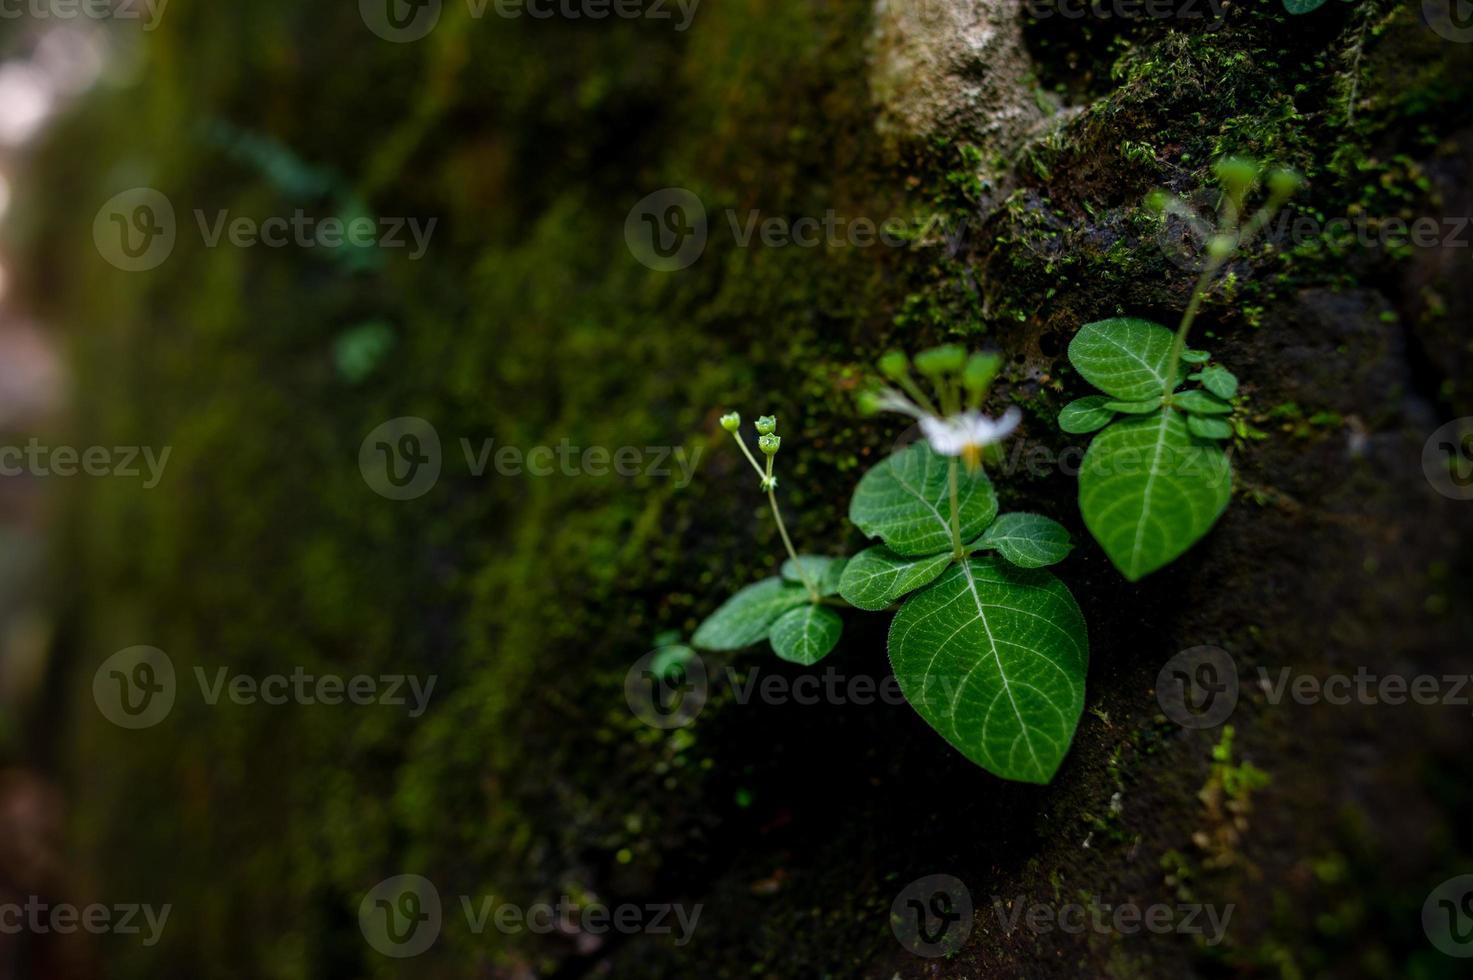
988,647
1155,481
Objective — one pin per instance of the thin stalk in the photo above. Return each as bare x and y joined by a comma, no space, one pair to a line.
750,458
956,513
908,385
1209,272
788,543
1178,345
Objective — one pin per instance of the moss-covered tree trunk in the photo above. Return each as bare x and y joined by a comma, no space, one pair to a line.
1023,147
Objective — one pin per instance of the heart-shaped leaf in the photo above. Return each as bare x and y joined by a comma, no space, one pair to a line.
806,635
1148,491
1218,380
823,572
1195,356
1302,6
994,657
747,617
877,576
1085,414
1028,540
1207,427
1124,357
906,501
1200,402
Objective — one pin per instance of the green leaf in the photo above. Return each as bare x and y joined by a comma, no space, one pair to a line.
668,658
1200,402
877,576
1195,356
805,636
906,502
1145,407
1207,427
1028,540
1303,6
1218,380
1124,357
746,617
1148,491
993,657
1085,414
823,572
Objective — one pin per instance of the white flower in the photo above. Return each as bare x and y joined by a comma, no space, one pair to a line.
967,434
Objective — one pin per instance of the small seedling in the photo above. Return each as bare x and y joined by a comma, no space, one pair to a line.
1155,481
986,645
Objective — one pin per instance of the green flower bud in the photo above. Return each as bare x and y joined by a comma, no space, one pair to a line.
868,402
1221,246
981,371
769,444
766,425
1237,174
946,359
1283,183
731,422
894,365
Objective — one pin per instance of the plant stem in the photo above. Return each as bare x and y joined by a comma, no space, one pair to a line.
1180,343
1209,272
956,518
750,458
788,543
